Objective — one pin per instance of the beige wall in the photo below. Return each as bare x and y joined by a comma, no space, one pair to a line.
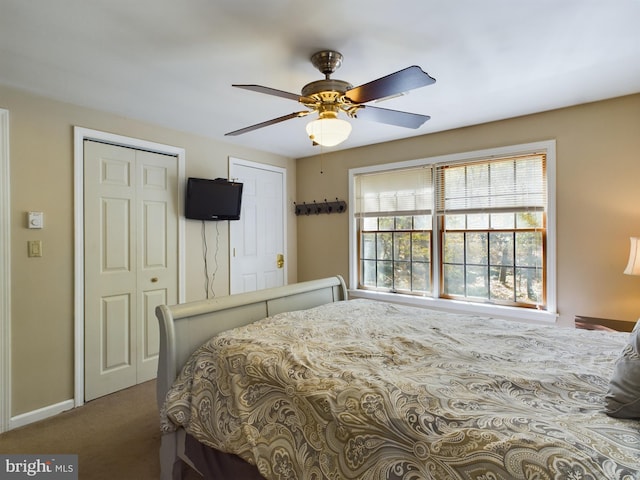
598,167
598,198
41,162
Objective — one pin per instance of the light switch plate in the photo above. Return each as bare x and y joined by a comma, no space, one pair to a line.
35,248
36,220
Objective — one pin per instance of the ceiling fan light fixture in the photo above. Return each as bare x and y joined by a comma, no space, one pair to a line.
329,96
328,131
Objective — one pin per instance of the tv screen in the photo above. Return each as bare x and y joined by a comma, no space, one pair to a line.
216,199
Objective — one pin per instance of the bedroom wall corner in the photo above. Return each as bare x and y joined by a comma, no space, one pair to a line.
323,239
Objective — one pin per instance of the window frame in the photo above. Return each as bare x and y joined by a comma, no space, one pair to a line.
547,147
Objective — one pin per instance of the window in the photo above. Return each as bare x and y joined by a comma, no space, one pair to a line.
395,225
492,224
475,228
396,253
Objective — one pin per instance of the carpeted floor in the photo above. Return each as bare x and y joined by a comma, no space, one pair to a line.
115,437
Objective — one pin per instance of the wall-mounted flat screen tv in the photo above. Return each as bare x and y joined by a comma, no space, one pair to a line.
217,199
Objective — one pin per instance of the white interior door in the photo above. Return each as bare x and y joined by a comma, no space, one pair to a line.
130,205
257,240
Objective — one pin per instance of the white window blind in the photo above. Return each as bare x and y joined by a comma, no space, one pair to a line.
504,185
396,192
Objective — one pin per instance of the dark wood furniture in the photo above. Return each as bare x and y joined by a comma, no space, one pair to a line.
594,323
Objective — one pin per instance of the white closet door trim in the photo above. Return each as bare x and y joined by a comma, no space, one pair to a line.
80,135
5,275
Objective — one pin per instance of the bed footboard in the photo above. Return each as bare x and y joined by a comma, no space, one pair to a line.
184,327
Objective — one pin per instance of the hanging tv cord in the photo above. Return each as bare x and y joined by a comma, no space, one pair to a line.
209,280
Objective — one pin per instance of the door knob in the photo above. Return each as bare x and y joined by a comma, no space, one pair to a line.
280,260
154,279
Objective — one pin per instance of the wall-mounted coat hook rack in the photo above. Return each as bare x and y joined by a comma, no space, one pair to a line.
337,206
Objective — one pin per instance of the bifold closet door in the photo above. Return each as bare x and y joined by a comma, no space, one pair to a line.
130,236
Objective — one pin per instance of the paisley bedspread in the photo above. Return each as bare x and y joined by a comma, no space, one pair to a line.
370,390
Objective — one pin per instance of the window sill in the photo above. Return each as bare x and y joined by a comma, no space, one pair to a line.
510,313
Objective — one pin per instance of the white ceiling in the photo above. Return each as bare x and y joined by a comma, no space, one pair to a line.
172,62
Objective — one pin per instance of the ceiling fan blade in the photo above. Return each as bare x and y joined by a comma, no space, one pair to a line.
269,91
391,117
267,123
393,84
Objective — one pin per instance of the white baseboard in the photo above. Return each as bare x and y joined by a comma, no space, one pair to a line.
40,414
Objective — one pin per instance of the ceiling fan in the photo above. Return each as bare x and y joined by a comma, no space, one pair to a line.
330,97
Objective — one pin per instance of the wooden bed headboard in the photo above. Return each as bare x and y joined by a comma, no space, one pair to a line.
184,327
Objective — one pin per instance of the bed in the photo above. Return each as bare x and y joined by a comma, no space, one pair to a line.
298,382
